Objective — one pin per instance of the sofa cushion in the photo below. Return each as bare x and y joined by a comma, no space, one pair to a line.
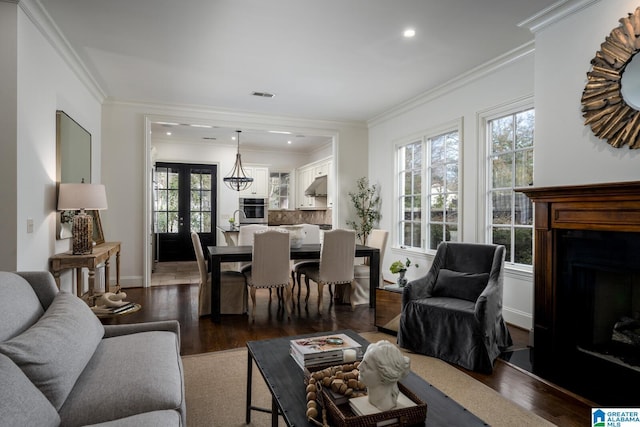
20,308
21,403
134,373
54,351
455,284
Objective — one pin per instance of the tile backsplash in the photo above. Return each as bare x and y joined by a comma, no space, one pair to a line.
282,217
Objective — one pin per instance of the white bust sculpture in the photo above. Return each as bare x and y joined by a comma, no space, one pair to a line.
382,366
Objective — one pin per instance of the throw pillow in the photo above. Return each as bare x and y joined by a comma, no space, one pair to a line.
455,284
53,352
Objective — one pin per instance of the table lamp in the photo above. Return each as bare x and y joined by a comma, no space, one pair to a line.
73,197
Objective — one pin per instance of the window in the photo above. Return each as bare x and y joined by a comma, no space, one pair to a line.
280,189
410,180
443,189
510,165
439,196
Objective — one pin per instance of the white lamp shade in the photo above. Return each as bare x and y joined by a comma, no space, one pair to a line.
82,196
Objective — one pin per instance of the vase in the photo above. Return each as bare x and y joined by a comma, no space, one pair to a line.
402,281
296,235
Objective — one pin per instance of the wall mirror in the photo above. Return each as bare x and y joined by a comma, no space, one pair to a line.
611,97
73,165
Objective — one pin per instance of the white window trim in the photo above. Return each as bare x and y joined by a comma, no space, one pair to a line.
422,136
482,208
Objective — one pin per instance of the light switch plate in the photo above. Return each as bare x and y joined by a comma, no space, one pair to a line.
29,225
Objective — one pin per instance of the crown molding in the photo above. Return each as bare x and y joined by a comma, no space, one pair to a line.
554,13
48,28
455,83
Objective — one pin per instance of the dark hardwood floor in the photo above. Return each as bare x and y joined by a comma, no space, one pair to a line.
200,335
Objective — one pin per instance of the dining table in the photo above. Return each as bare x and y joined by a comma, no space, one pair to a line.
219,254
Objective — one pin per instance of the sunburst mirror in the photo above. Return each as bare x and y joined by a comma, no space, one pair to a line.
611,97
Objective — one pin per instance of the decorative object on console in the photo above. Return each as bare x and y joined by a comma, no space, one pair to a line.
606,106
81,197
400,268
237,179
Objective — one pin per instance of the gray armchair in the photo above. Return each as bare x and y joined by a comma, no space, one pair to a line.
454,313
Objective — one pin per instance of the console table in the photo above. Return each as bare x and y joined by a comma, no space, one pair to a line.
101,253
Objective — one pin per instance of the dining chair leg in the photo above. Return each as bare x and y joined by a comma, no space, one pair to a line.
253,302
320,292
288,299
306,298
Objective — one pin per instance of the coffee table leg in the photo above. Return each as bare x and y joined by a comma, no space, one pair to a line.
274,412
249,375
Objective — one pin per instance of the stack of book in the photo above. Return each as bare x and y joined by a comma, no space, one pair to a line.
325,351
103,309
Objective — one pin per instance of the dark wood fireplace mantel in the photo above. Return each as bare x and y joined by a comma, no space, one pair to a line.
598,207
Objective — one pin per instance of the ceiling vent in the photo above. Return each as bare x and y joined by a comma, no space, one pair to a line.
263,94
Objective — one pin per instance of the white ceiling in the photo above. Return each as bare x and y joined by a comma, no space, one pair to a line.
323,59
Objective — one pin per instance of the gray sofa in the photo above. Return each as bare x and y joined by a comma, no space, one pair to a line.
60,366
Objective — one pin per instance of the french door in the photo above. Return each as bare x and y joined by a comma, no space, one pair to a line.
184,201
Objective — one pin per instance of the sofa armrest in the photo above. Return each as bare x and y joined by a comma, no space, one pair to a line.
43,284
134,328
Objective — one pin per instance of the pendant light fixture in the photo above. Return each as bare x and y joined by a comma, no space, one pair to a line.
237,179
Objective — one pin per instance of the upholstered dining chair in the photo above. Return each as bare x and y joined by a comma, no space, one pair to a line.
377,239
233,291
311,236
337,255
454,313
245,238
270,265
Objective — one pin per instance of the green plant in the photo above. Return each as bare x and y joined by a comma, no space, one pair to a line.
366,200
398,266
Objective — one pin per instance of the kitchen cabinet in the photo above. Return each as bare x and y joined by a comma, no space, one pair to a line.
305,175
260,185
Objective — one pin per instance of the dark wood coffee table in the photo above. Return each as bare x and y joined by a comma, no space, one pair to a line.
285,381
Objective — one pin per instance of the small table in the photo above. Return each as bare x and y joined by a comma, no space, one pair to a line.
285,381
388,308
101,253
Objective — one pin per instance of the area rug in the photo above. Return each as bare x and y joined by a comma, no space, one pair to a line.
216,390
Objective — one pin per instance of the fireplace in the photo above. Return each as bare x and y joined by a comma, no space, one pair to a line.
587,289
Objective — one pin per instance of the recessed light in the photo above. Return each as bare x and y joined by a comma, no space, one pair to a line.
201,126
168,133
289,142
409,32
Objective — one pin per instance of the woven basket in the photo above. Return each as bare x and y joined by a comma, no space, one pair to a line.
342,416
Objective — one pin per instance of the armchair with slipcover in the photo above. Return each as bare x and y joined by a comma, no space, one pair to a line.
454,313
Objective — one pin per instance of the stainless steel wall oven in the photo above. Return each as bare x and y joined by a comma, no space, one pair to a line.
256,210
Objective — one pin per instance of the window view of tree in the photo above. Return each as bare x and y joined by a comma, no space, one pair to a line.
511,166
410,180
443,188
280,186
200,204
166,209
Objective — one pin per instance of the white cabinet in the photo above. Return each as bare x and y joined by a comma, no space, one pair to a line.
260,185
304,179
305,175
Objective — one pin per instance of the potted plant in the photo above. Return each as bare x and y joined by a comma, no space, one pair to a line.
366,200
400,268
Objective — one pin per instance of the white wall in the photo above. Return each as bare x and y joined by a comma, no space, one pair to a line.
464,99
45,83
566,151
124,157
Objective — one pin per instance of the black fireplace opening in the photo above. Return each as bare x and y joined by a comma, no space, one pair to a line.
596,346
